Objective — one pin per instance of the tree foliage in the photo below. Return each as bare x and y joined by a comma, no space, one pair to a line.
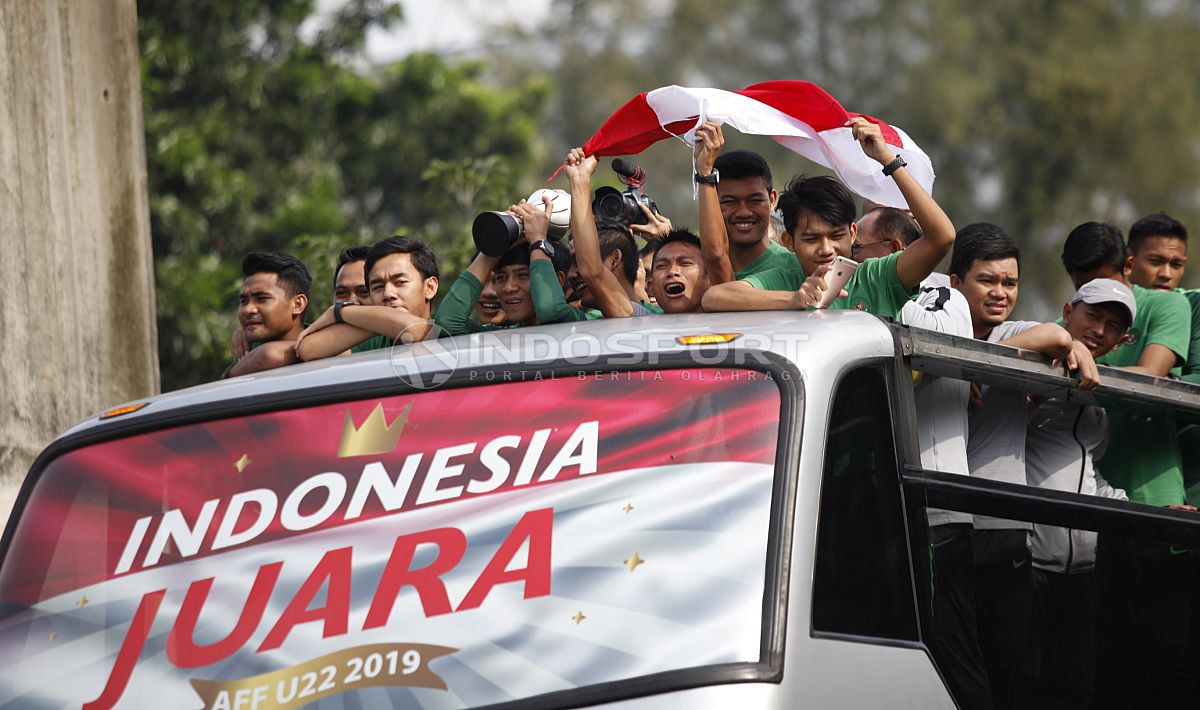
262,134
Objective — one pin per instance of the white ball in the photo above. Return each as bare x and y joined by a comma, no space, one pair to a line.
560,209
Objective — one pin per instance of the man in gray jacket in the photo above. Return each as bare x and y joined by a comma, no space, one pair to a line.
1060,442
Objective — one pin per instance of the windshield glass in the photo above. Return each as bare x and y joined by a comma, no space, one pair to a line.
447,548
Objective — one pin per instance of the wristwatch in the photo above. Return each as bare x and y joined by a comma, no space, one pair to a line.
711,179
897,163
337,309
545,245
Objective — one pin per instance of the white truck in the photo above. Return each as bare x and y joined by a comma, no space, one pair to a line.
707,511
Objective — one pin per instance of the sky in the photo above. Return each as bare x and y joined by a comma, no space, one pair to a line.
447,27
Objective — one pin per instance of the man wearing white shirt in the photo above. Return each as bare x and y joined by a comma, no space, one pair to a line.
1061,440
985,268
941,406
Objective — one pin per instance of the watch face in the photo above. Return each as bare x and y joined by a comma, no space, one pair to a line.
545,246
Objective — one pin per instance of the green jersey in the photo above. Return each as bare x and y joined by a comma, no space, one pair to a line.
776,256
1191,365
1189,435
454,315
375,342
875,287
1143,449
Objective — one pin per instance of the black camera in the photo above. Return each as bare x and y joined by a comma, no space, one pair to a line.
495,232
610,204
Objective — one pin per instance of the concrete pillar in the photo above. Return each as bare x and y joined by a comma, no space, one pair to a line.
77,328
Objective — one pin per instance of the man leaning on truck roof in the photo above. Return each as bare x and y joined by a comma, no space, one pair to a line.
270,313
402,277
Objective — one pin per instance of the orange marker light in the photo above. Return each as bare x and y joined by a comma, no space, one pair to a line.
123,410
707,338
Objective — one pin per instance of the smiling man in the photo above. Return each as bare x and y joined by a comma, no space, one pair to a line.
527,280
349,278
736,199
818,216
487,308
1062,438
985,268
271,306
402,277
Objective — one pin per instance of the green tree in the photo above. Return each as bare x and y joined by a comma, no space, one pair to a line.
262,135
1062,113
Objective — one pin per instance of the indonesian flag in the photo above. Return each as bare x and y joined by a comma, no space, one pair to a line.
798,114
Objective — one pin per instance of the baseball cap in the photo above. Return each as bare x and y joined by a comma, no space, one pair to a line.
1106,291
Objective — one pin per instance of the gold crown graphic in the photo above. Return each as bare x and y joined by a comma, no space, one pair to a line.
375,436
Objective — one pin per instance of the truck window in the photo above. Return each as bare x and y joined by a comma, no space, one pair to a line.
862,584
453,547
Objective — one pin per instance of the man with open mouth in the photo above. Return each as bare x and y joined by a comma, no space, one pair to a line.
678,276
606,258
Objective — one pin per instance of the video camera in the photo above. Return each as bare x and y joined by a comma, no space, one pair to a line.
610,204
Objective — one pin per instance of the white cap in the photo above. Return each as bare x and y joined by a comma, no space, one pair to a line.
1106,291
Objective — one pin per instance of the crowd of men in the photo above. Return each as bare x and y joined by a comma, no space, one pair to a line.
1026,615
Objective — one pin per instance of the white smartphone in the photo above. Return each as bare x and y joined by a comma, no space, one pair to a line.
839,273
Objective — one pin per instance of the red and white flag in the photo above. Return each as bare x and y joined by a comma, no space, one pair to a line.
798,114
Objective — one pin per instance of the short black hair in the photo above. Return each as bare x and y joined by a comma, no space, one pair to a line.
892,223
617,237
422,256
516,254
350,255
1092,245
981,241
561,258
290,272
820,196
519,253
1159,224
741,164
679,234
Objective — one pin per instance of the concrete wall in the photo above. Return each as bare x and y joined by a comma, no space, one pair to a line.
77,328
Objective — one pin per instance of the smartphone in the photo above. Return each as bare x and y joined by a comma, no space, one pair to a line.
839,273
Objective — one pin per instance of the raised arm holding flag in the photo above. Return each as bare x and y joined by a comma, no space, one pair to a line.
800,115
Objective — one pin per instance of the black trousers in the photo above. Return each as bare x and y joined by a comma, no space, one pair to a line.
1064,635
1004,609
954,644
1144,624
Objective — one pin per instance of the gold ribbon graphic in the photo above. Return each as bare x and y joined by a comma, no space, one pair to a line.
372,665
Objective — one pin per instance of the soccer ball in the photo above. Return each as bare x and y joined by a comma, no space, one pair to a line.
560,209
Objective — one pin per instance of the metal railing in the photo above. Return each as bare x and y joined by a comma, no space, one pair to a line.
988,363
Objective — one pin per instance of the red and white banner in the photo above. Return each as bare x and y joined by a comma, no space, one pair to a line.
449,548
798,114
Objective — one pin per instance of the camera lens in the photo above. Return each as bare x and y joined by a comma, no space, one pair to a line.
610,207
495,232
